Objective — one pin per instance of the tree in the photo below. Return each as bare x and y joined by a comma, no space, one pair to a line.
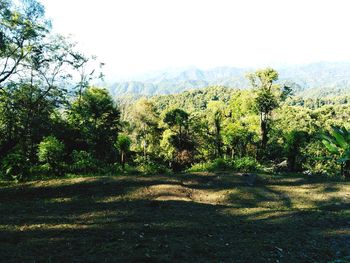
123,146
241,129
337,141
268,98
97,118
51,152
23,27
23,123
35,68
178,122
295,140
144,124
215,115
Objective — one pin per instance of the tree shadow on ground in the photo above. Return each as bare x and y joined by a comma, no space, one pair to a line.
99,221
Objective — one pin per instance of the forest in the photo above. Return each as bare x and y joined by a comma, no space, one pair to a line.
59,127
54,122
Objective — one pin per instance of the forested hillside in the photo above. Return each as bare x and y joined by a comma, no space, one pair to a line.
53,122
313,80
222,124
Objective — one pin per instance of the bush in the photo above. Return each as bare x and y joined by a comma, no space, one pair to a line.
246,164
147,166
216,165
152,168
317,162
201,167
51,152
83,162
14,166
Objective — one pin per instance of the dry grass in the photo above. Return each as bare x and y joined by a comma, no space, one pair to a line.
179,218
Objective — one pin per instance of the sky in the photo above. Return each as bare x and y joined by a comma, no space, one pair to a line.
137,36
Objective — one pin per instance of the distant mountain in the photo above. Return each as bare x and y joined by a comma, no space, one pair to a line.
312,80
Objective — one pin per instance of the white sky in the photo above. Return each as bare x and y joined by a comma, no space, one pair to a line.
137,36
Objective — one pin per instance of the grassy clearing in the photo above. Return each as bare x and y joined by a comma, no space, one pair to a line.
202,217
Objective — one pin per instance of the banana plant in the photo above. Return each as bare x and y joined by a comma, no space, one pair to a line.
337,142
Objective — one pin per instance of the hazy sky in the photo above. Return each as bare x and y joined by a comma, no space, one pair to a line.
136,36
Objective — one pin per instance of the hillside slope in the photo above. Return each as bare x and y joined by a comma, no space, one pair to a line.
313,80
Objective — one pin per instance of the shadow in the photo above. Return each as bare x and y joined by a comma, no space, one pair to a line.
89,187
98,221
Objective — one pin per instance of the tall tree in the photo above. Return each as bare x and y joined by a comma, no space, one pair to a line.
215,113
35,68
98,119
178,122
23,27
268,98
144,120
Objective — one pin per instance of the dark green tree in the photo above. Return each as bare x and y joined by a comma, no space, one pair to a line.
123,146
97,118
178,122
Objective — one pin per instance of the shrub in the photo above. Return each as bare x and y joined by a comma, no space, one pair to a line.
246,164
216,165
147,166
316,161
201,167
83,162
152,168
51,152
15,166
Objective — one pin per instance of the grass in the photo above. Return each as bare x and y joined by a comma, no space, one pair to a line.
198,217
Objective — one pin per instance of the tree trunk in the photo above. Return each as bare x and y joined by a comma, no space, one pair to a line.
122,160
346,169
218,138
264,137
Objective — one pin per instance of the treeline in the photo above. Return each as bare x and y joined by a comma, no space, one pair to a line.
46,111
52,122
218,127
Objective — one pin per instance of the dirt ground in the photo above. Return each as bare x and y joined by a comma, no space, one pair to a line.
199,217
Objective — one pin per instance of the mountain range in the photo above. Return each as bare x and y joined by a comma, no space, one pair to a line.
312,80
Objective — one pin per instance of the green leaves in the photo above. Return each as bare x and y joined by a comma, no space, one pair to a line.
337,142
330,147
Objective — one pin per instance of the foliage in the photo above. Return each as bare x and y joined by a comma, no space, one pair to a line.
14,165
182,141
337,142
268,98
123,146
294,142
144,128
84,162
246,164
216,165
215,128
51,152
98,119
147,166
